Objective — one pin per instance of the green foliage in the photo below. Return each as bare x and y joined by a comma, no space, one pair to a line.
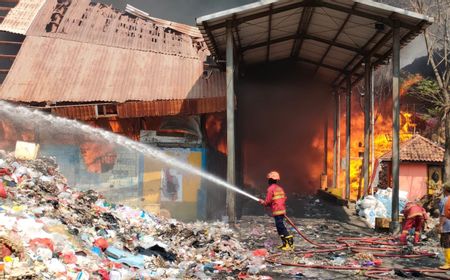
427,87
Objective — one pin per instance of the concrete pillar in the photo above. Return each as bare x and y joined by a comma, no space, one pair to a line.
231,161
395,226
348,107
367,114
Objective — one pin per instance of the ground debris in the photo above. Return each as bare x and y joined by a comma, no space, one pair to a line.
61,233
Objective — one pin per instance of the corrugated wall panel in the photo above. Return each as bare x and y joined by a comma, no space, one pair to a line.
76,112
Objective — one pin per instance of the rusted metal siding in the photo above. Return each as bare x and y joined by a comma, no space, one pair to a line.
147,109
52,69
76,112
20,18
171,107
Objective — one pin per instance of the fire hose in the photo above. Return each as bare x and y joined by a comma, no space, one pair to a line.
358,245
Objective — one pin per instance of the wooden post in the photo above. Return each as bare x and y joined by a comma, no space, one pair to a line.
395,226
231,161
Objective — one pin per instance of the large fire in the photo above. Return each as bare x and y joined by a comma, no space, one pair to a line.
382,137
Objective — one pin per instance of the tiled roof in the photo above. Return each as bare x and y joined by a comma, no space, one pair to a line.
418,149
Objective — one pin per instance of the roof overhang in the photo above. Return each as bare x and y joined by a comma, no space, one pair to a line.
332,37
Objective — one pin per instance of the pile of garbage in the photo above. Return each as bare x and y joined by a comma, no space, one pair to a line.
379,205
50,231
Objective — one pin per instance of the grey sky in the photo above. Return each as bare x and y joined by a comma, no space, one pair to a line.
183,11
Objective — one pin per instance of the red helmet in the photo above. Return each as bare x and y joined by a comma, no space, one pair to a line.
274,175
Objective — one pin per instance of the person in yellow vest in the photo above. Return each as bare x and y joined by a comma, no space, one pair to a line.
444,227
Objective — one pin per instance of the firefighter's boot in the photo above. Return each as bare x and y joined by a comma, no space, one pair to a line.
403,237
290,241
283,240
287,246
447,259
417,238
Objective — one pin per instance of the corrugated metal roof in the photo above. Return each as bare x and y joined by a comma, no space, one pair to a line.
96,23
183,28
314,32
57,70
19,18
418,149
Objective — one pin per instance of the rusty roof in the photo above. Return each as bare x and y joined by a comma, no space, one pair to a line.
78,51
418,149
19,18
96,23
57,70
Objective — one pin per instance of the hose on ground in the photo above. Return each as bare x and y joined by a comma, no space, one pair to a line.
390,248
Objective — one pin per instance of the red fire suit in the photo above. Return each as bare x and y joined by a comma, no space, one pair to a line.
415,216
276,199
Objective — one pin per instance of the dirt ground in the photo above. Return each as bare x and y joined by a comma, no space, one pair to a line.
323,221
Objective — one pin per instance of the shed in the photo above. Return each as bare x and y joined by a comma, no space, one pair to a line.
337,42
421,167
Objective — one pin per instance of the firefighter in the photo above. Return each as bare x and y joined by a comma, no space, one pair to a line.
444,227
276,200
415,217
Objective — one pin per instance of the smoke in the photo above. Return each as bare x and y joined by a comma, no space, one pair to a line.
280,115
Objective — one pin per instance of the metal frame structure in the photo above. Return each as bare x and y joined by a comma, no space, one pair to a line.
340,41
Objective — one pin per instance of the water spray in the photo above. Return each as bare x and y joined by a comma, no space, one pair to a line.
36,116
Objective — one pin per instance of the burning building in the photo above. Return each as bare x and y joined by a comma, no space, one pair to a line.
334,43
126,72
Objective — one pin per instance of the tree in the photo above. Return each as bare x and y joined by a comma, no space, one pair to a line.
437,41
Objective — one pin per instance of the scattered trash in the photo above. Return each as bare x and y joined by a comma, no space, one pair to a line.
78,235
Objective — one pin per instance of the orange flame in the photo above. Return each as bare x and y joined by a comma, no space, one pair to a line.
382,138
215,126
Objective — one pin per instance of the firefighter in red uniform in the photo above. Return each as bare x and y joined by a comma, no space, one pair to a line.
415,217
276,200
